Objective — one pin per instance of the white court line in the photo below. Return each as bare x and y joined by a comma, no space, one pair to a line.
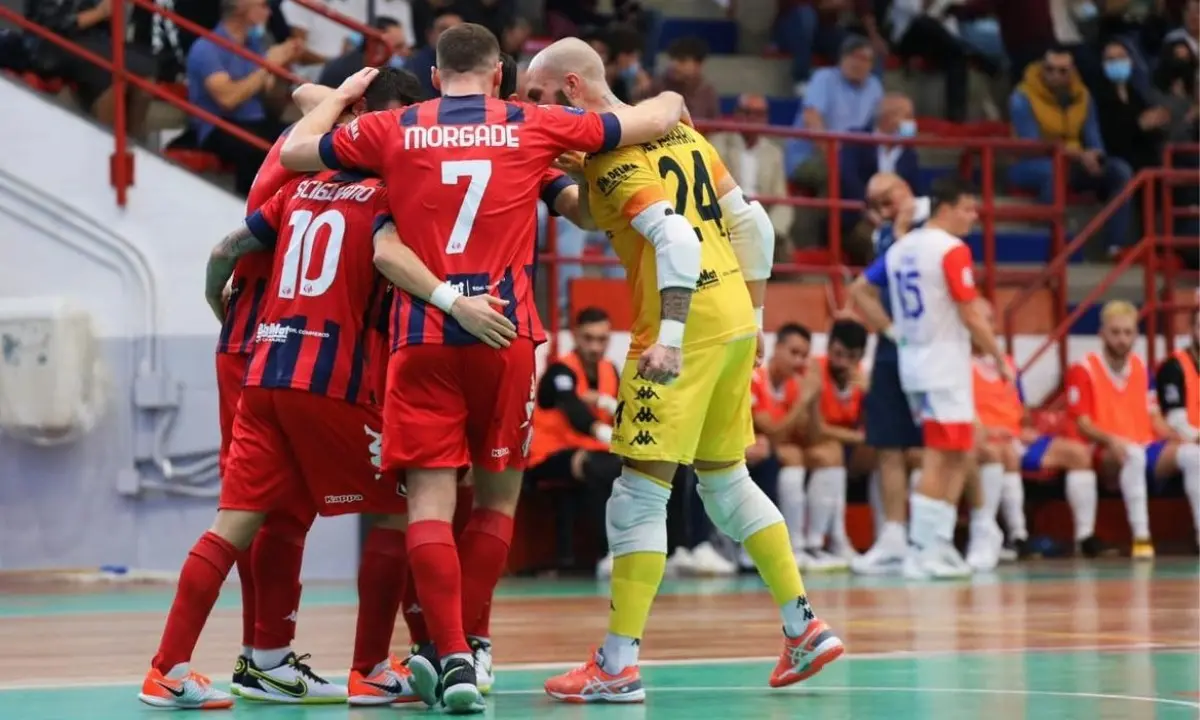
819,690
97,682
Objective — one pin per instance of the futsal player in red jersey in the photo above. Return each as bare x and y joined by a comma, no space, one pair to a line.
470,165
269,570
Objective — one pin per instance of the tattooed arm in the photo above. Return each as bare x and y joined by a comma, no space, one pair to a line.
221,263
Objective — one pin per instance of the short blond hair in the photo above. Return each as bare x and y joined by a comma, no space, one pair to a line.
1115,309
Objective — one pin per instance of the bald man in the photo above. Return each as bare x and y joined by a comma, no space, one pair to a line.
698,256
756,163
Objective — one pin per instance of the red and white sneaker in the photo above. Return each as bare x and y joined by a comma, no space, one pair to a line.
804,656
193,692
390,686
589,683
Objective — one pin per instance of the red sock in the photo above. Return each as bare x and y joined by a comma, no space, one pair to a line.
246,578
381,575
418,633
278,555
433,558
483,626
200,579
483,549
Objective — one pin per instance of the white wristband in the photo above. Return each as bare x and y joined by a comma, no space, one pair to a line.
603,433
443,296
670,334
758,317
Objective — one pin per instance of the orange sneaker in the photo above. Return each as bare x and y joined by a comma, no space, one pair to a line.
804,656
589,683
193,692
392,685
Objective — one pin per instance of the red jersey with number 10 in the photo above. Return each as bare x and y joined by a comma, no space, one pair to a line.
319,326
253,271
466,172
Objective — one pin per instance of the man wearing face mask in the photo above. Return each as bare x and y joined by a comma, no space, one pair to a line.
630,81
237,89
340,68
860,162
1133,122
1053,105
685,75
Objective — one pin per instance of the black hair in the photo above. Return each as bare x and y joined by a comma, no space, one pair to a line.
622,40
849,334
688,48
949,189
590,315
789,329
383,22
508,76
467,48
390,86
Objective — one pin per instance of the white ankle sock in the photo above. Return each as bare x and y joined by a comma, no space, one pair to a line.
178,672
268,659
1012,502
1082,497
823,488
991,484
1189,464
926,521
796,614
618,653
247,652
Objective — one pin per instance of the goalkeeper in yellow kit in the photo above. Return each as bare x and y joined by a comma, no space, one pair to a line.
697,256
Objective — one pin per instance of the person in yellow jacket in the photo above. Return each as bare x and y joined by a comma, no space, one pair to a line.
572,429
1053,105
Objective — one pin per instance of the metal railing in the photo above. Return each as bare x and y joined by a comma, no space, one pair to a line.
838,271
121,165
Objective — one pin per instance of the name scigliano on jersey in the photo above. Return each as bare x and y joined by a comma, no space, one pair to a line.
276,332
465,136
333,192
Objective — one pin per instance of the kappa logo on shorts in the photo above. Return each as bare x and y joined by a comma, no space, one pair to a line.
342,499
645,415
646,393
643,438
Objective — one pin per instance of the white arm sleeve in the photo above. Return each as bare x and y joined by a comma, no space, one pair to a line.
750,233
676,245
1177,419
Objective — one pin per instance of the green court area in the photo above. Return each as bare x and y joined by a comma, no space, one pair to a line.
1050,685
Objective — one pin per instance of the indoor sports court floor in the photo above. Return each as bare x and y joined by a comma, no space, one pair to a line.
1046,640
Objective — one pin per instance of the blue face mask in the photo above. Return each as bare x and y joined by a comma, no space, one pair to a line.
1086,11
630,73
355,39
1118,70
396,62
257,32
907,129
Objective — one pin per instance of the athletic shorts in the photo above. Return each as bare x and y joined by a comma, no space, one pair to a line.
947,417
1153,450
1033,457
889,421
293,444
703,415
453,406
231,372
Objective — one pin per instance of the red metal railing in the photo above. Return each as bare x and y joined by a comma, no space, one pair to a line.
121,164
1171,272
1146,250
837,272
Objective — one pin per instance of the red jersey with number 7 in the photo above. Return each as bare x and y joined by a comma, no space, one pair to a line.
318,330
466,173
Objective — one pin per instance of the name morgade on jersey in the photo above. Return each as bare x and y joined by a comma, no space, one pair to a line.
613,179
464,136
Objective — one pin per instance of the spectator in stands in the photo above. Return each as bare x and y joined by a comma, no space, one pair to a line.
628,79
917,33
495,15
514,36
87,22
340,68
685,75
571,18
1132,121
1176,77
572,429
1030,27
1052,104
322,38
839,99
804,28
859,162
757,163
237,89
423,61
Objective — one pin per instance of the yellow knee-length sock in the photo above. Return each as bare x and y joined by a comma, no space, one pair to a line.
635,581
771,551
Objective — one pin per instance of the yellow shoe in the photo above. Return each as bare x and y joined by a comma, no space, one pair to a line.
1142,550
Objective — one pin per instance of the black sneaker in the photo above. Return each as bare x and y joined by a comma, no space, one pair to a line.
1094,547
240,675
1024,551
425,668
459,691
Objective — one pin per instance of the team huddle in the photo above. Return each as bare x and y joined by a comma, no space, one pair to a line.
377,356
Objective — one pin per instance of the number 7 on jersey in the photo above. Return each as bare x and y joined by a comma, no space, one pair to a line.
480,173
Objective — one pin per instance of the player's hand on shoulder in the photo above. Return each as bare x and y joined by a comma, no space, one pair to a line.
660,364
480,316
571,162
355,86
